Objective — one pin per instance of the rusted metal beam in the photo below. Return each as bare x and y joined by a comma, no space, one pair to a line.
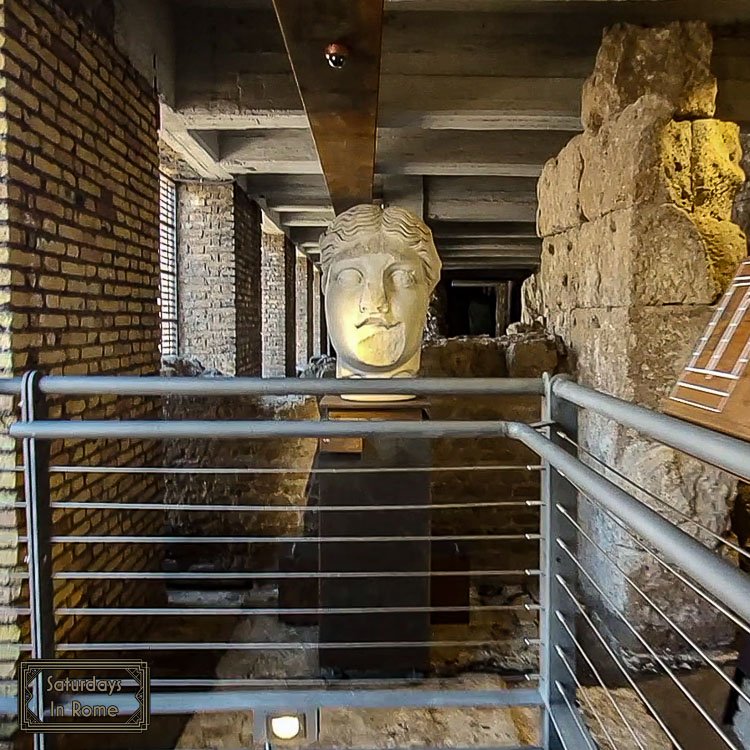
341,103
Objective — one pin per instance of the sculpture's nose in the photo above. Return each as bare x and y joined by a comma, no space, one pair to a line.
373,299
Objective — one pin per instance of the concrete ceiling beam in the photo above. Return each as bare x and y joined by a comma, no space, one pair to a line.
400,152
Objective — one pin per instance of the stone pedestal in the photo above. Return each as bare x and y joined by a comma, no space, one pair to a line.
367,489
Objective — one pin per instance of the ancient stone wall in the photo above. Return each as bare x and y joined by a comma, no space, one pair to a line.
80,279
523,354
638,243
274,488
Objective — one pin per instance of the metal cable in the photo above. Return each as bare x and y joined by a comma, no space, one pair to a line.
659,500
598,676
262,611
116,539
646,702
713,602
710,662
65,469
702,711
288,508
575,713
72,575
580,691
269,646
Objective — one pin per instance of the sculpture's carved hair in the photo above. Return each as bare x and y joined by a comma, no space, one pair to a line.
365,220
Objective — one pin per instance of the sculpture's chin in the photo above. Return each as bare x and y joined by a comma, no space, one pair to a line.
381,347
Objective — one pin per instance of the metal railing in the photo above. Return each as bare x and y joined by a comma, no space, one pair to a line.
576,652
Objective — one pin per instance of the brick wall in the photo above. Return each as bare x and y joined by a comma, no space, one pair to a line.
79,223
301,317
218,239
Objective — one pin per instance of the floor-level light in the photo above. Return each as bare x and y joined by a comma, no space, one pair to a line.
286,727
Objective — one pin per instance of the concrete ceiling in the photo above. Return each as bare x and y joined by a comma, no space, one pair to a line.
475,95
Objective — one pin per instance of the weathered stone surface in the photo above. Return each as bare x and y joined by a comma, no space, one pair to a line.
639,156
606,724
527,359
672,61
638,256
635,353
531,300
716,170
557,191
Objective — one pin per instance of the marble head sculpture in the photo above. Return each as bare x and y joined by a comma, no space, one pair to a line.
379,267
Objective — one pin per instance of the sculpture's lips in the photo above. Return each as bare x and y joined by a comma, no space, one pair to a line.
377,322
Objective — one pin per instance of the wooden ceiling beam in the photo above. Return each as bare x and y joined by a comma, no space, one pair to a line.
341,104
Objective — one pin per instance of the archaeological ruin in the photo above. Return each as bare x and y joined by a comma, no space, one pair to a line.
375,374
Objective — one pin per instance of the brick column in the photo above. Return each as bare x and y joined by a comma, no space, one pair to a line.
317,303
290,309
310,299
301,313
273,304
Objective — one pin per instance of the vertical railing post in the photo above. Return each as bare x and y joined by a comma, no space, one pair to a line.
562,725
38,532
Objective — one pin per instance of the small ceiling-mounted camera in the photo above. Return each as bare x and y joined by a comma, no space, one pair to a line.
337,54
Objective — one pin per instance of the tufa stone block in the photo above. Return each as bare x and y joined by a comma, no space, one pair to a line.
716,167
673,61
639,156
649,255
557,191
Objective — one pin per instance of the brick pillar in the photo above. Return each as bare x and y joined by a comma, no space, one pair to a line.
247,231
219,277
273,304
310,299
301,312
290,309
317,302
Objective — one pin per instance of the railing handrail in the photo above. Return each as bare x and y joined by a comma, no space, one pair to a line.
156,385
723,451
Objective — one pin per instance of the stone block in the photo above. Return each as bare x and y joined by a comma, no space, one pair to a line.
634,353
649,255
529,358
716,167
557,191
638,156
673,61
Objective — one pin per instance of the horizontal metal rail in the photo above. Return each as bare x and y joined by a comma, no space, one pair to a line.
74,575
124,385
712,572
270,700
273,645
223,429
722,451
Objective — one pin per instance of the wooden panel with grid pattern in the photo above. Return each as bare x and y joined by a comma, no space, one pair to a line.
714,388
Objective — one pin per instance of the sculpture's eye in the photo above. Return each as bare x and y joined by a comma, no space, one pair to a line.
349,277
403,278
